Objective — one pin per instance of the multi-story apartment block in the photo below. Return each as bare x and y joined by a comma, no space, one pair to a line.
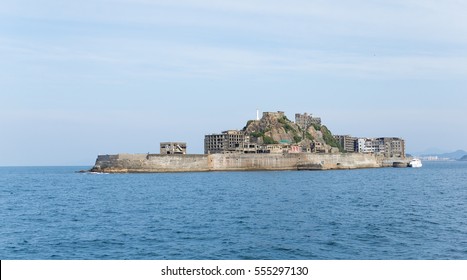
236,141
370,145
347,142
362,146
278,114
387,146
393,147
305,120
227,142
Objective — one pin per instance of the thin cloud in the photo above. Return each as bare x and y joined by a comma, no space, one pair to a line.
165,59
397,39
425,20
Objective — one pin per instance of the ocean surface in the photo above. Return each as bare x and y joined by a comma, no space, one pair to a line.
388,213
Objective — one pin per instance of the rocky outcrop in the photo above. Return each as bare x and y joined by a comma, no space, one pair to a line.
273,128
276,128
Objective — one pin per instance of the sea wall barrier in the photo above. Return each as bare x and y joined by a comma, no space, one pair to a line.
149,163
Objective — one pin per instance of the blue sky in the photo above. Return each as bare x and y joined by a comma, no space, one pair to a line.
81,78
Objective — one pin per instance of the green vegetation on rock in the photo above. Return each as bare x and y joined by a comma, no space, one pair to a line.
247,124
276,126
329,139
286,124
257,134
268,140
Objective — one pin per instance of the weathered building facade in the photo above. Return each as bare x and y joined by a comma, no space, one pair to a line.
172,148
238,141
387,146
228,141
347,142
393,147
305,120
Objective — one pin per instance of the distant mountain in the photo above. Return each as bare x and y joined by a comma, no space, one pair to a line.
454,155
431,151
464,158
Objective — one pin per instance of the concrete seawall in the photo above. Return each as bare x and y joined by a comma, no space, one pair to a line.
149,163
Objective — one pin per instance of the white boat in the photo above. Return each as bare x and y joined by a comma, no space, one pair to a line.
415,163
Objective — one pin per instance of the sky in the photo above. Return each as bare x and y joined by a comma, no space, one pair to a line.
89,77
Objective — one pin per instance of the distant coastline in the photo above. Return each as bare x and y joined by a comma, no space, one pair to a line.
453,156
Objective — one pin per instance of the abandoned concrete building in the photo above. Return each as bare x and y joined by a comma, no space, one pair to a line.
237,141
305,120
387,146
172,148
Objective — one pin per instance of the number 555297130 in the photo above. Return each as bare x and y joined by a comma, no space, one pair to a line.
281,270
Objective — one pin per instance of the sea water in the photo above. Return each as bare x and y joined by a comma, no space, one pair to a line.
386,213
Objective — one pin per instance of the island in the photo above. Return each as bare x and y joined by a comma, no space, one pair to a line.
272,142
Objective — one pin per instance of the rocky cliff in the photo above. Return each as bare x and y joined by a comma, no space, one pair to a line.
276,128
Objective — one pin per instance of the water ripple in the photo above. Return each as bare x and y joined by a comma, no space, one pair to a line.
54,213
